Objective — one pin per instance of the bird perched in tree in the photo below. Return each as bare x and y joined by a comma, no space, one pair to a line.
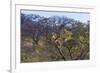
54,36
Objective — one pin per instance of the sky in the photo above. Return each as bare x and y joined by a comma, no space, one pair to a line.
83,17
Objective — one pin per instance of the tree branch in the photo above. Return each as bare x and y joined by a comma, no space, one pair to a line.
60,52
